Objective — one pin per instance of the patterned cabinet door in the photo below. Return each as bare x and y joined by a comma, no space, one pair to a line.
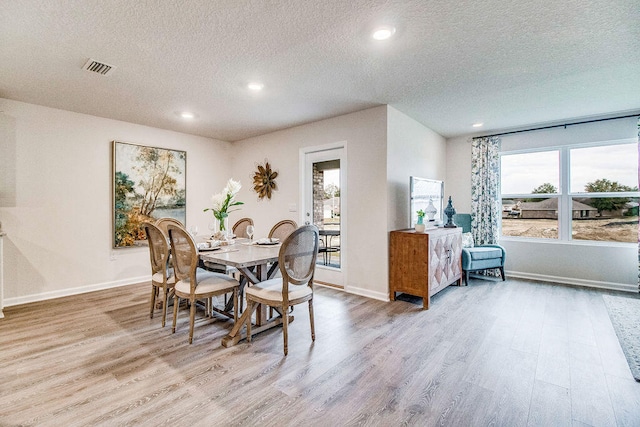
454,268
438,262
445,251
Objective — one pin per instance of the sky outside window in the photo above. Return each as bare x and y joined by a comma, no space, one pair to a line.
521,173
617,163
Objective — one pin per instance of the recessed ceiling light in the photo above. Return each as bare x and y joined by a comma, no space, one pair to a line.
477,125
255,86
383,32
187,115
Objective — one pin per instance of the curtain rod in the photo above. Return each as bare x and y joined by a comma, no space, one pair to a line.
557,126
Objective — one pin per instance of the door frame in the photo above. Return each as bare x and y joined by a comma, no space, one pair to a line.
344,215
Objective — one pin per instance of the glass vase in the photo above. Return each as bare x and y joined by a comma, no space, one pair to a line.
223,227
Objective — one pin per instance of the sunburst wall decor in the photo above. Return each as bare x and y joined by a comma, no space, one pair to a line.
264,180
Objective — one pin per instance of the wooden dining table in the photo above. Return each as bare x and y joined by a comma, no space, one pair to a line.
256,263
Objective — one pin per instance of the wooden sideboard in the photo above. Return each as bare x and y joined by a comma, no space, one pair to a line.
422,264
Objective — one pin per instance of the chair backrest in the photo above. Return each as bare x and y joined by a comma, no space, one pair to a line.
282,229
162,224
184,255
240,227
158,247
463,220
297,257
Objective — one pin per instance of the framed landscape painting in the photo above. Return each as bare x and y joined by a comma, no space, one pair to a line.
148,183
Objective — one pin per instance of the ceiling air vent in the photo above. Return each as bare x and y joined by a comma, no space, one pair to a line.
98,67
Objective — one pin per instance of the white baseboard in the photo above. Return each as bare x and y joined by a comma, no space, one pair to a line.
573,281
381,296
73,291
358,291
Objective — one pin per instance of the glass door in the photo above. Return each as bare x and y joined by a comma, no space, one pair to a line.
324,206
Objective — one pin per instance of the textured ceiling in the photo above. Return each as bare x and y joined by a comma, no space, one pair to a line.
450,63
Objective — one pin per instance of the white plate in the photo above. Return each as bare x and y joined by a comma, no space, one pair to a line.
209,249
266,241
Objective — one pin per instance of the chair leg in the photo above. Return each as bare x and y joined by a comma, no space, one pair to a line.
164,306
466,278
285,329
176,303
192,319
502,273
250,309
153,301
313,329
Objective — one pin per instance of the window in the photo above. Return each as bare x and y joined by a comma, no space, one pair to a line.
586,192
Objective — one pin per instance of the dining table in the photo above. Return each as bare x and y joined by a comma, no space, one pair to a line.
256,263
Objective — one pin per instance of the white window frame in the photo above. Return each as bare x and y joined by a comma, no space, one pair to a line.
564,195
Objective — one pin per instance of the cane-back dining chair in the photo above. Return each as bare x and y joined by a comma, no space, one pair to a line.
193,283
297,262
162,224
282,229
239,229
161,275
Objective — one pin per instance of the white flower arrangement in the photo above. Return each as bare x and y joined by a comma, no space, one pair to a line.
222,202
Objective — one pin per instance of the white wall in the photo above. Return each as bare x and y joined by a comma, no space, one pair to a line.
589,264
412,150
365,135
59,230
56,196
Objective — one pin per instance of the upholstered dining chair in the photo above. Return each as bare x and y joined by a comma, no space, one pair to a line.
162,223
161,275
239,229
478,257
297,262
282,229
193,283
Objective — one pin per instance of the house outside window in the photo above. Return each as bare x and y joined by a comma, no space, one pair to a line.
573,193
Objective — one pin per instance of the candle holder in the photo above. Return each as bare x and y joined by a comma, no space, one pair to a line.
449,211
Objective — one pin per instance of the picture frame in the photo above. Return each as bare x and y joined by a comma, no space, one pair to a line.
148,183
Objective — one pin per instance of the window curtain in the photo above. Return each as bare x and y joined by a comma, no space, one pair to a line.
485,190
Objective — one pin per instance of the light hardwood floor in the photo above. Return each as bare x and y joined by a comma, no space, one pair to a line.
512,353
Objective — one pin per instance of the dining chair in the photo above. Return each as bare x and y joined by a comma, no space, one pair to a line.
194,283
161,275
282,229
162,223
239,229
297,262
